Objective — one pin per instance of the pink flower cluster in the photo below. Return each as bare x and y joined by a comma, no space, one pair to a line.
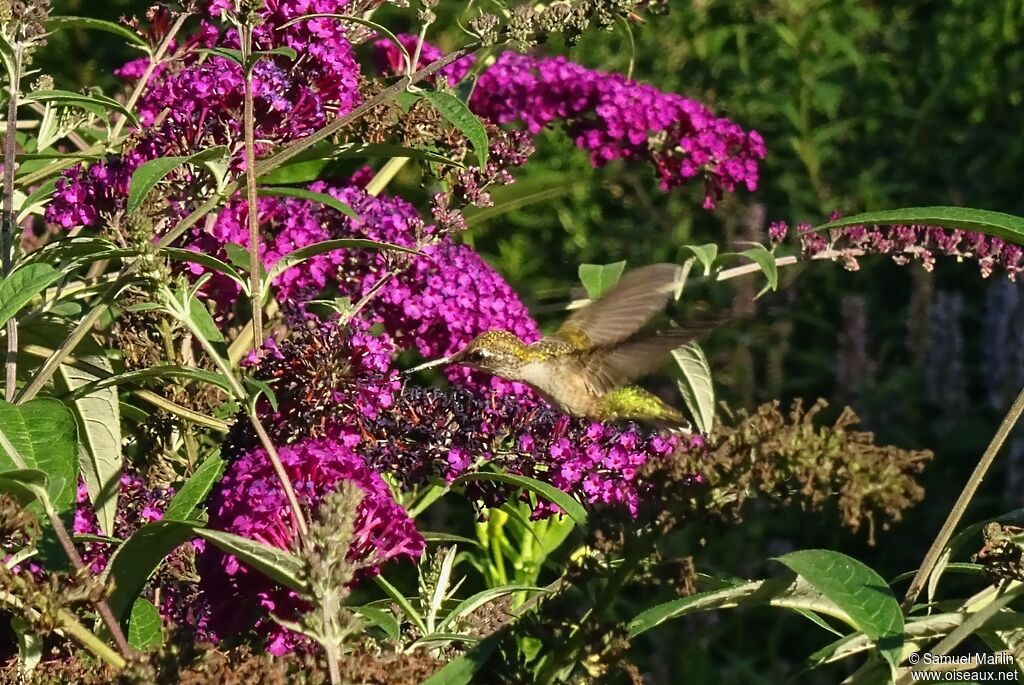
613,117
905,243
249,501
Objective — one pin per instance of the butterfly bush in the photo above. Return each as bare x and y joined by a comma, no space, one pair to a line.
344,413
249,501
611,116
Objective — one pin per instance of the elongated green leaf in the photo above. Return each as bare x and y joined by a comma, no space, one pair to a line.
1005,226
304,253
705,254
195,489
565,502
208,261
41,435
152,172
303,194
203,321
30,648
450,538
21,286
459,115
135,561
382,619
859,591
696,386
37,198
99,427
93,102
461,670
403,603
170,371
279,565
474,602
26,485
308,166
766,260
599,278
145,628
88,23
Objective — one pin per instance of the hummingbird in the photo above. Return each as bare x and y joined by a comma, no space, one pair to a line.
585,366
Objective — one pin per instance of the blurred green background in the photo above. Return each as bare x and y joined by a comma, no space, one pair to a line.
863,105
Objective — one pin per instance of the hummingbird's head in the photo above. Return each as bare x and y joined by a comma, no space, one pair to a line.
498,352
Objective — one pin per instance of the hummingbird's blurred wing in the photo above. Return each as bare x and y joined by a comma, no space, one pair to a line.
607,368
620,312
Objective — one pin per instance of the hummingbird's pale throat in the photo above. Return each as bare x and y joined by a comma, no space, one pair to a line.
584,367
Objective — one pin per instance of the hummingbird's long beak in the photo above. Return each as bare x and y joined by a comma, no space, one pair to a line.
430,365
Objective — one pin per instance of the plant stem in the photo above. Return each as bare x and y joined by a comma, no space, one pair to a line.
960,507
154,62
294,148
242,396
7,231
252,213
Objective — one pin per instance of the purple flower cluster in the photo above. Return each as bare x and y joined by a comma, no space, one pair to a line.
613,117
433,434
195,102
249,501
905,243
436,303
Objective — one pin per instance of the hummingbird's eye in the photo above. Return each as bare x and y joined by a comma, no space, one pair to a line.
475,356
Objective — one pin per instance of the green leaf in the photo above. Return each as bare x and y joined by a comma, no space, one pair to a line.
134,562
30,648
196,488
858,591
21,286
382,619
766,260
41,435
696,386
477,600
88,23
1005,226
461,670
564,501
145,178
145,629
459,115
208,261
599,278
279,565
303,253
26,485
94,102
37,198
705,254
169,371
203,321
308,166
99,427
303,194
403,603
448,538
259,387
